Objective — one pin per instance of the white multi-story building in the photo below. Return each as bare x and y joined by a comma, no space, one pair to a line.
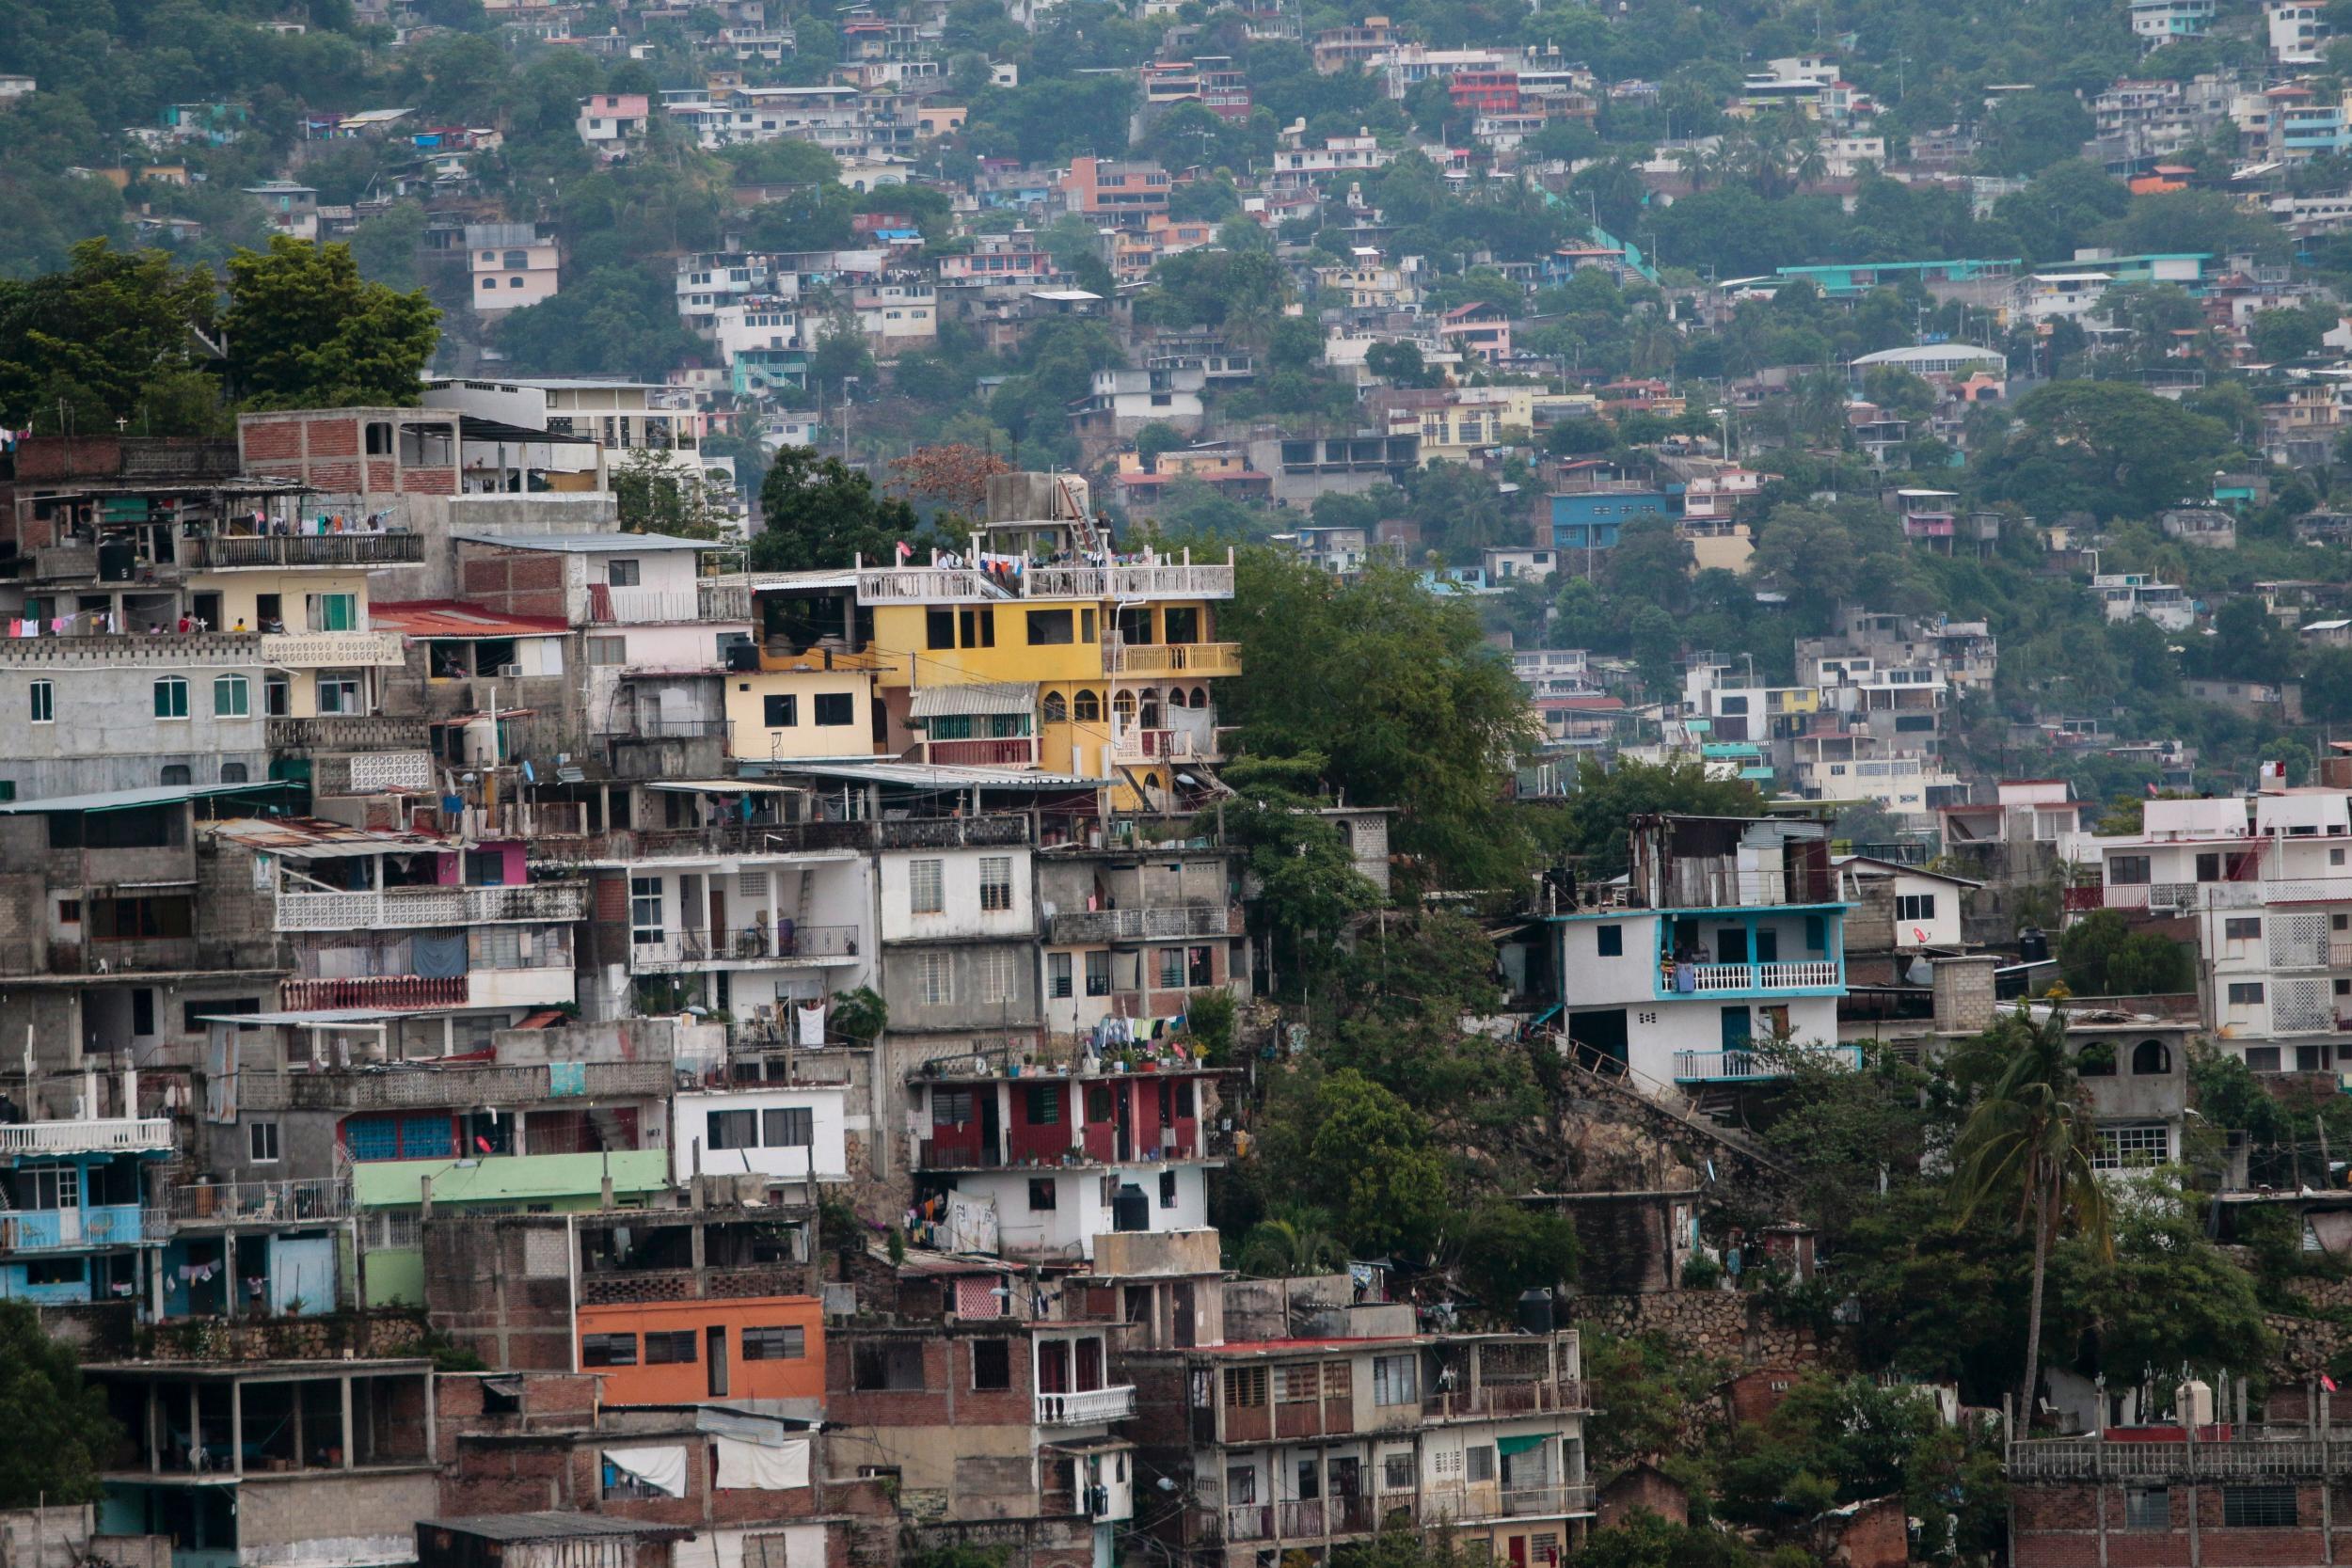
2124,594
1729,932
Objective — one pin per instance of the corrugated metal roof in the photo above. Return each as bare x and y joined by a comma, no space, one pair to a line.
314,838
931,776
552,1526
972,698
126,800
586,544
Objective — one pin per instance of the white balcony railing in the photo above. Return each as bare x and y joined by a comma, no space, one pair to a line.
1115,1403
331,650
1738,1066
1714,979
102,1136
1174,658
395,908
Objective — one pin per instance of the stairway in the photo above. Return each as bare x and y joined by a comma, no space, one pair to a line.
1699,1116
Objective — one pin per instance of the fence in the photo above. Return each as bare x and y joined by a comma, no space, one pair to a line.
319,1197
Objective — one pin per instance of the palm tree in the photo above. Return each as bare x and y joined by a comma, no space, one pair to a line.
1290,1243
2027,1146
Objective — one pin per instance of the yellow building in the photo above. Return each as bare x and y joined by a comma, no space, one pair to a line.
805,705
308,598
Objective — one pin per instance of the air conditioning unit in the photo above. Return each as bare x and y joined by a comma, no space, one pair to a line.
510,671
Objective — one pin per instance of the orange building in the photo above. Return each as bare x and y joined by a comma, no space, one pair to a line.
686,1351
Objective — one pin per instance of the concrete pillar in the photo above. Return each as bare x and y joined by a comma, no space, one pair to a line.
196,1424
236,1425
347,1447
154,1430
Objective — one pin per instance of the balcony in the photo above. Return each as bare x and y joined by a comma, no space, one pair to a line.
990,752
1467,1504
63,1229
97,1135
1736,1067
950,584
544,986
333,650
230,552
1089,1408
637,607
1249,1522
323,1197
1685,979
637,845
429,1086
409,907
752,946
1136,745
346,732
950,833
134,956
1151,923
1175,658
1507,1399
2220,1453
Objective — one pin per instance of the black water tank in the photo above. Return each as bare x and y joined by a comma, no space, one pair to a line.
742,658
1535,1311
2033,944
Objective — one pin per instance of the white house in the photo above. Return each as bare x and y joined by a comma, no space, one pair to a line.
788,1133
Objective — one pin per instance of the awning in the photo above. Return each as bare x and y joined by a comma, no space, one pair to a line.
722,786
1506,1446
976,699
130,799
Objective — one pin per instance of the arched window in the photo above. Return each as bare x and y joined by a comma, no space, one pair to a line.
1088,709
1200,697
2150,1058
1124,703
176,773
1057,708
233,772
1175,696
1150,708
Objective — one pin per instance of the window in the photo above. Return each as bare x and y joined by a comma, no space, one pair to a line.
1050,626
1297,1385
991,1365
2209,868
1057,708
2096,1060
1167,1189
2246,993
951,1108
1057,982
788,1127
608,1349
621,574
1915,905
1478,1461
1609,941
1396,1472
938,979
1241,1482
607,650
2127,870
1395,1380
338,691
1085,708
1097,973
670,1348
2133,1147
834,709
644,908
1171,967
2151,1058
2244,929
1043,1191
45,701
261,1142
924,896
171,698
979,627
732,1129
779,713
939,628
1180,625
175,773
1041,1105
1244,1387
2261,1058
996,984
785,1343
2268,1507
996,881
2147,1508
233,772
379,438
332,611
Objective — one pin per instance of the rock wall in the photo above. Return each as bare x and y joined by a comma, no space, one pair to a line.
1719,1325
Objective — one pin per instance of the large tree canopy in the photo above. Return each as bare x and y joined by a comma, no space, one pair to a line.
307,331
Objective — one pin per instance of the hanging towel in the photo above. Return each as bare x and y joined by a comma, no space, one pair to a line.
748,1466
812,1025
567,1078
437,955
656,1470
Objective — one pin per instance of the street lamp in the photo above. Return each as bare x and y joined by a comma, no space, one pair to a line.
1724,415
848,402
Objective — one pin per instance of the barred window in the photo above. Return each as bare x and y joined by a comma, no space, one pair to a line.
996,881
608,1349
787,1343
670,1348
2267,1507
924,896
2132,1146
2148,1508
1245,1386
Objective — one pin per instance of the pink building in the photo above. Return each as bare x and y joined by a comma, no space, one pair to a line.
1478,331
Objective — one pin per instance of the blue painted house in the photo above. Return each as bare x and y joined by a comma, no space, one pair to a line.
77,1226
1589,519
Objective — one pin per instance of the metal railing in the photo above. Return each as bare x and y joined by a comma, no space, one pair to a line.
1507,1399
952,584
429,1084
2097,1459
374,990
985,752
60,1230
782,942
1721,1066
392,908
623,607
318,1197
1149,922
97,1135
1174,659
1114,1404
229,551
643,844
138,955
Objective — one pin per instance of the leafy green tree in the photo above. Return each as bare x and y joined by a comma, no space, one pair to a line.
2026,1149
1590,832
306,331
2100,955
97,337
60,1436
1308,887
818,511
1290,1243
386,246
1396,689
1398,364
2105,448
2292,333
1344,1144
1154,440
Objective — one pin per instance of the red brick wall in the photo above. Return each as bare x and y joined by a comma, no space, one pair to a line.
520,582
946,1397
2058,1527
